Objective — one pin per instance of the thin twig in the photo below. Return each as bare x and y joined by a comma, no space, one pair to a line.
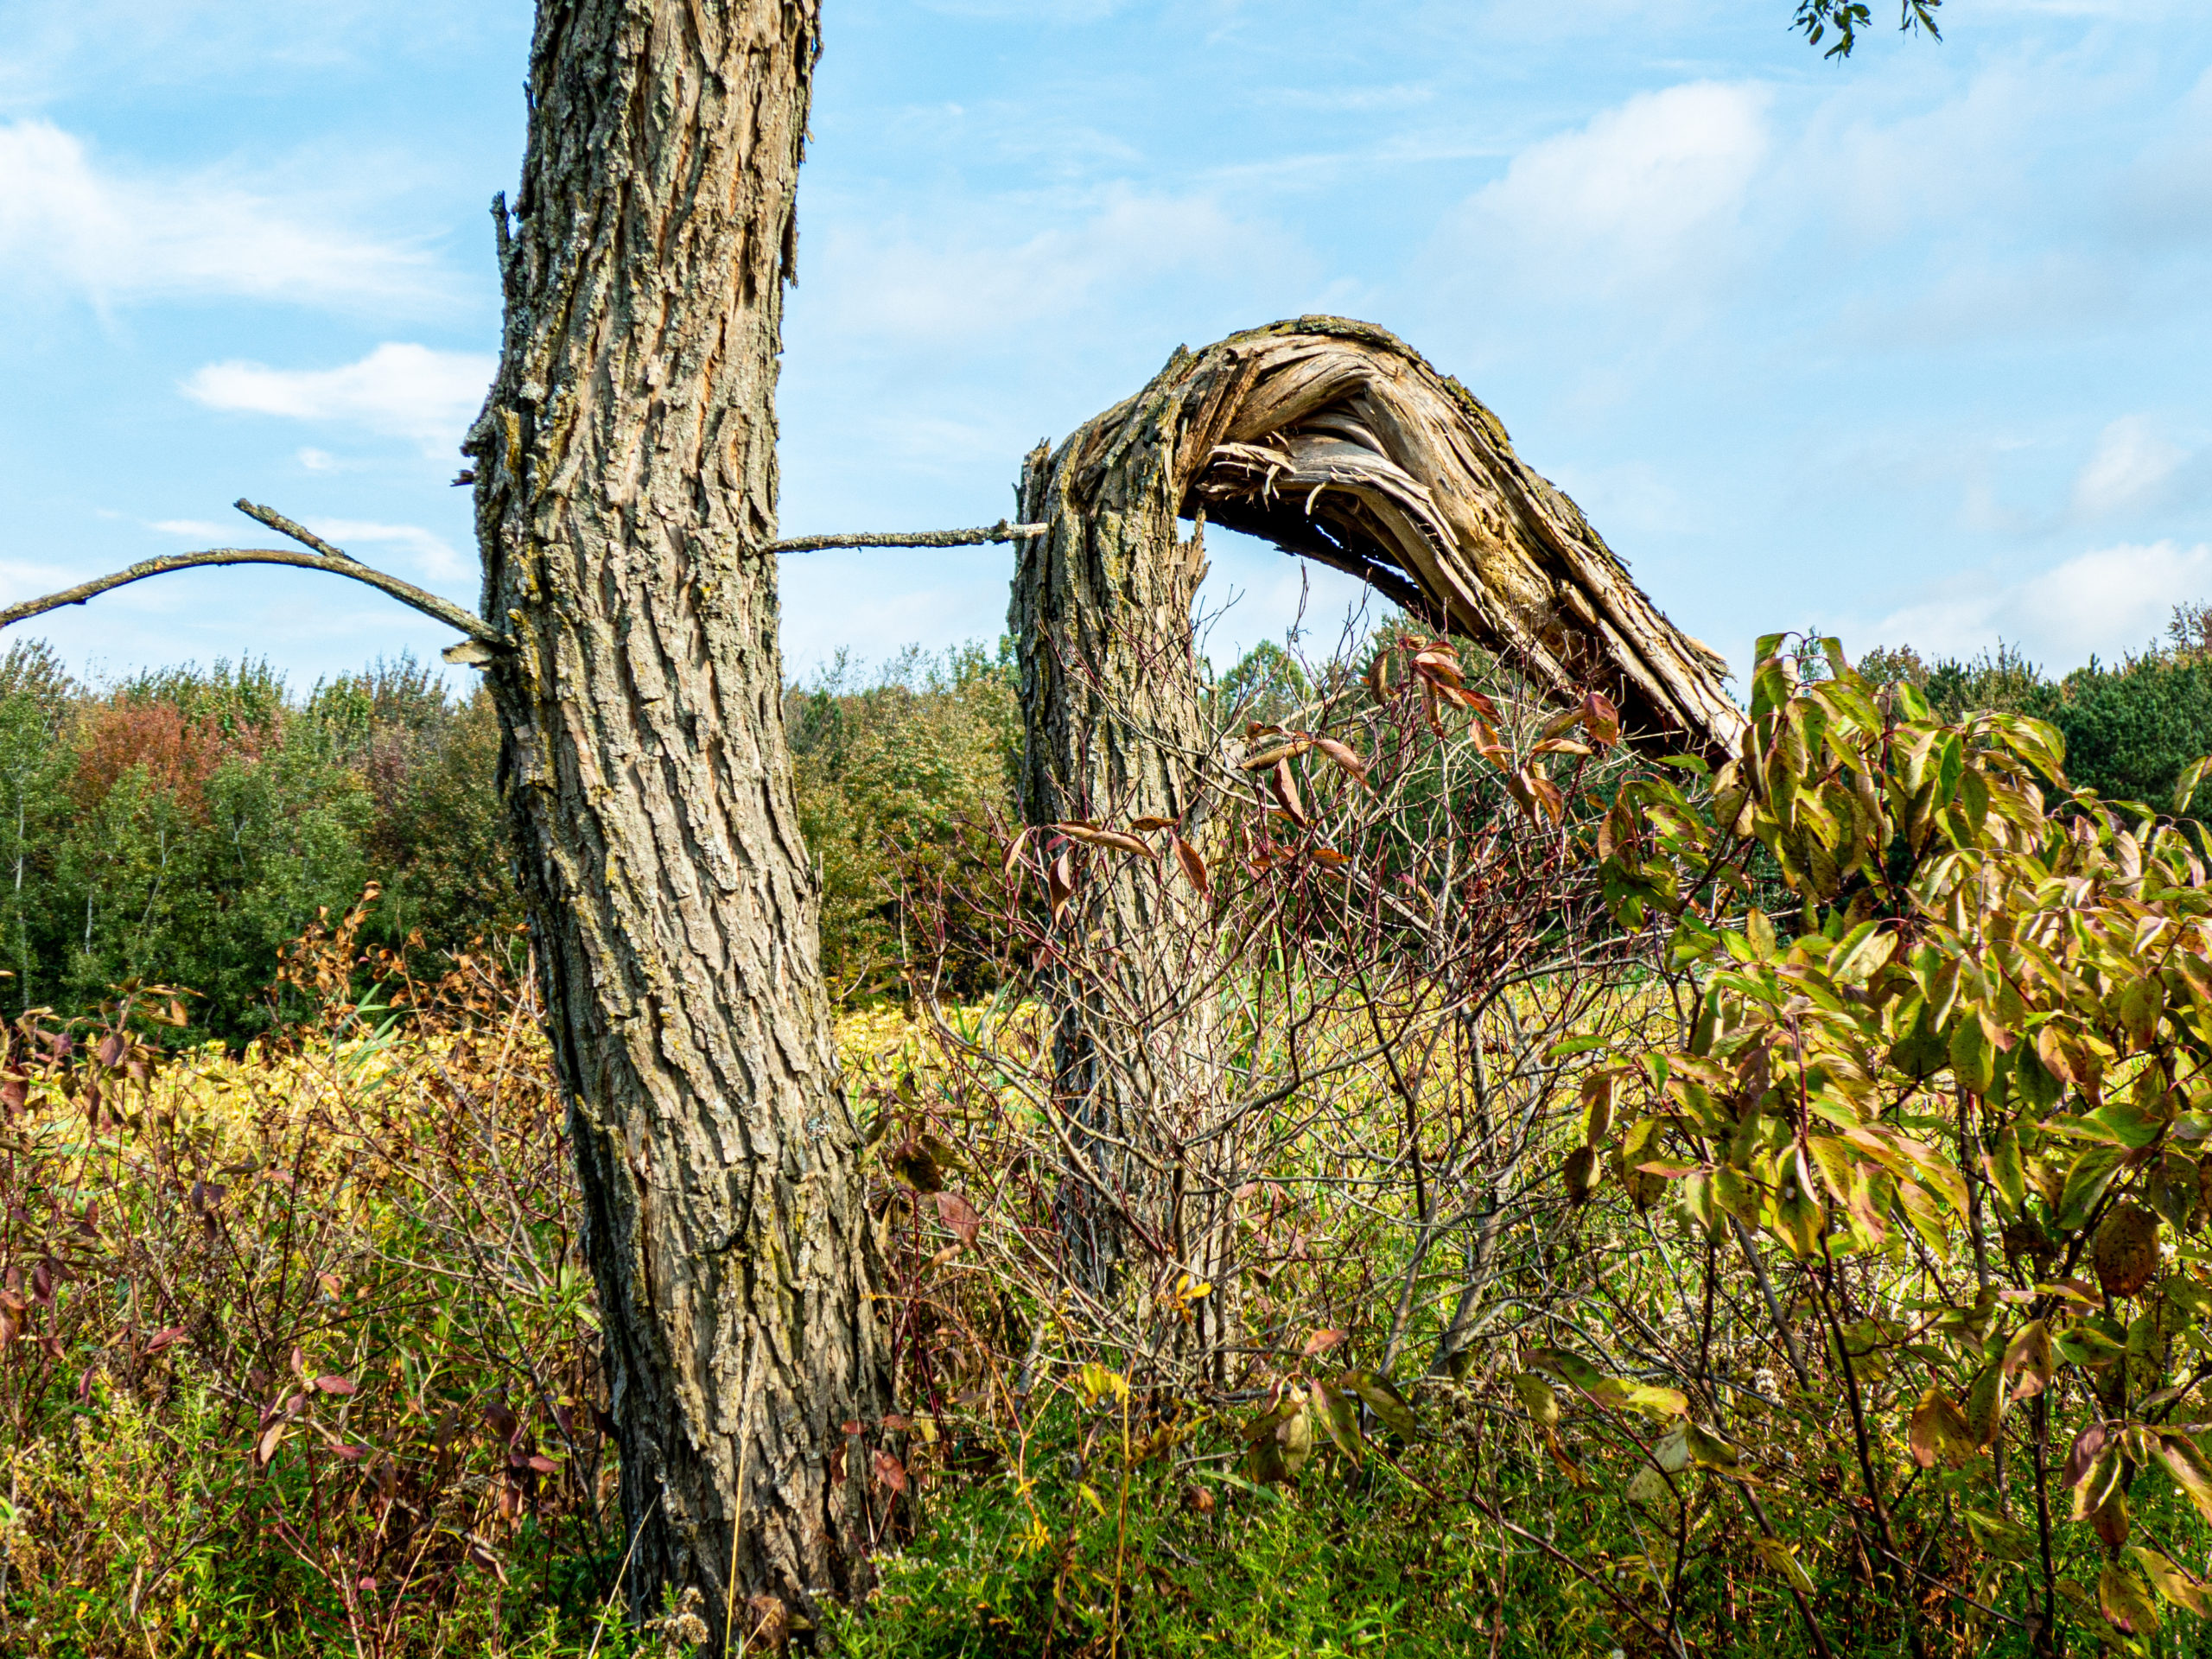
1004,531
283,526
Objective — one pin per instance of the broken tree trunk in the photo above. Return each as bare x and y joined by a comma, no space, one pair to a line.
625,488
1335,441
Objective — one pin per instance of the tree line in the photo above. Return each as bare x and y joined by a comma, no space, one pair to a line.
179,825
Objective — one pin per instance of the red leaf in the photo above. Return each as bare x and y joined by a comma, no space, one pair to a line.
1320,1342
162,1339
2085,1451
959,1215
42,1283
890,1472
1600,719
1285,789
336,1385
111,1048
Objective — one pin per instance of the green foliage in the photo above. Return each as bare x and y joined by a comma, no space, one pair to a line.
2130,728
436,838
902,782
296,1354
180,826
1965,1107
1349,1560
1267,685
1816,18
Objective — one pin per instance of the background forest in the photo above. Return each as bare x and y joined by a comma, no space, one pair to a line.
181,827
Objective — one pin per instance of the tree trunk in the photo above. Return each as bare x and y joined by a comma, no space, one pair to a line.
1102,612
626,481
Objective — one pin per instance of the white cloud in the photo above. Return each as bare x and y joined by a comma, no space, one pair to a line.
2130,468
2108,602
196,530
957,285
431,555
1644,193
66,221
401,391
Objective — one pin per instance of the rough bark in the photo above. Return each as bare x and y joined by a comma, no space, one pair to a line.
626,489
1102,612
1337,441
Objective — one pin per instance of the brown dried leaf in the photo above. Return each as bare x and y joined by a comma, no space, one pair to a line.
960,1216
1059,883
1091,834
1344,756
1194,868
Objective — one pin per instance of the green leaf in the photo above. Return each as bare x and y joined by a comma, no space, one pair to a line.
2185,785
2186,1463
1973,1061
1708,1451
1985,1403
1337,1418
2085,1184
2126,1602
1863,951
1536,1395
2180,1587
2007,1174
2082,1343
1390,1408
1572,1046
2006,1540
1778,1555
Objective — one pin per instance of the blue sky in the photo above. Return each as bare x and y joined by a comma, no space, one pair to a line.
1911,347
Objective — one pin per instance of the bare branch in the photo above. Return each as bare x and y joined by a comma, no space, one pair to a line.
283,526
337,564
1004,531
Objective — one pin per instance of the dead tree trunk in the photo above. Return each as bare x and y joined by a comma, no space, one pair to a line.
1337,441
1102,611
625,488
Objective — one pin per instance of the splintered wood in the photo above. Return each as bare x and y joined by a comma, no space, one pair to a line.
1336,440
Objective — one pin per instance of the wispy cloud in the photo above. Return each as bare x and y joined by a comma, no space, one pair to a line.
400,390
955,282
432,556
2109,601
114,236
2131,466
1639,199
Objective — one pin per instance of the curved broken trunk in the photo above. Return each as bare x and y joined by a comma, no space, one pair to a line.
1335,441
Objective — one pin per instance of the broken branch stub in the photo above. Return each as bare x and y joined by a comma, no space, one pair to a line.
1336,440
